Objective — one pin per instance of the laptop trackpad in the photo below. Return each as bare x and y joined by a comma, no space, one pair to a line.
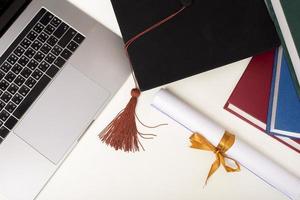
61,114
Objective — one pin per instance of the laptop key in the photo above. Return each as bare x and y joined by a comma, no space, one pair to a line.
23,61
56,50
12,59
46,48
43,37
64,41
78,38
13,88
30,53
50,58
72,46
17,99
32,35
63,27
3,85
49,29
6,97
24,90
66,54
30,82
3,132
52,71
46,18
37,74
44,66
19,51
26,72
36,45
10,107
32,95
52,40
25,43
17,69
38,28
33,64
10,77
55,22
19,81
11,122
59,62
5,67
4,115
39,56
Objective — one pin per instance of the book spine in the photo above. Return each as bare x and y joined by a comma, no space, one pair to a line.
295,148
291,68
268,129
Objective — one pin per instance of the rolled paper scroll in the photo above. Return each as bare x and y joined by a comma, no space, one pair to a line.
246,155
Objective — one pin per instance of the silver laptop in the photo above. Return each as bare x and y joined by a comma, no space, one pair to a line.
58,69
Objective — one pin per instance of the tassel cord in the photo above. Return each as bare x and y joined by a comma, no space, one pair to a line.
134,38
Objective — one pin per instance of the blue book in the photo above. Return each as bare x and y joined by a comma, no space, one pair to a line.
284,106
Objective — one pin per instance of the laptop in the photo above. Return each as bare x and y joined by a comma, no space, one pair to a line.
58,69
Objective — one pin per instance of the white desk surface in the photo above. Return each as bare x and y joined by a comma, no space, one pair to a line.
168,169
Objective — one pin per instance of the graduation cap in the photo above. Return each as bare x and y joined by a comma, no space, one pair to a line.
167,40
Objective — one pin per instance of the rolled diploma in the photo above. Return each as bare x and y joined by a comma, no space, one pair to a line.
247,156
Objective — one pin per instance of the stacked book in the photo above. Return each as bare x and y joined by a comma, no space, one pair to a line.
268,93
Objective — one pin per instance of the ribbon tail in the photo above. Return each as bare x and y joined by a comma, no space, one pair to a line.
213,169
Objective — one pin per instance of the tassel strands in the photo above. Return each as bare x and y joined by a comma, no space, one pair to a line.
122,133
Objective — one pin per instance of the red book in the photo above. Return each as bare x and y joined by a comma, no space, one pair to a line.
250,98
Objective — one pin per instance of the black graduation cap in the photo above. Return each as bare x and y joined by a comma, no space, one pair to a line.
167,40
206,35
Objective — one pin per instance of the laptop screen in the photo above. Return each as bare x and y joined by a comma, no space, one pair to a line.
3,5
9,11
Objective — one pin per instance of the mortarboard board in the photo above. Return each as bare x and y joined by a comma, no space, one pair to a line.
206,35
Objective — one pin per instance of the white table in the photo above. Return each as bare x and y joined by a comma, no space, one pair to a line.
168,169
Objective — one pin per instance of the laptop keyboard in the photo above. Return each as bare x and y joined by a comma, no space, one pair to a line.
31,62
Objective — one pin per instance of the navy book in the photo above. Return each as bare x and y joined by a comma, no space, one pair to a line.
284,106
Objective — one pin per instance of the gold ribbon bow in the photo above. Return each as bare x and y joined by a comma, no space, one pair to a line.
200,142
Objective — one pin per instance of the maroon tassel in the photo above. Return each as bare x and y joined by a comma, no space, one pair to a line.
122,132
